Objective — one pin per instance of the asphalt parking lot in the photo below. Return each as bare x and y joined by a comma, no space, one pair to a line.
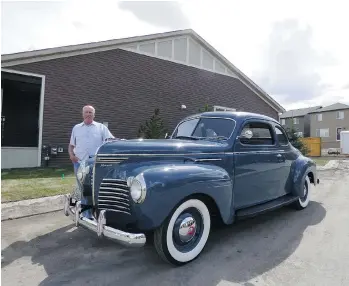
284,247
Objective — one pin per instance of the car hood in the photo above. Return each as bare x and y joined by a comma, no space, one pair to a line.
162,146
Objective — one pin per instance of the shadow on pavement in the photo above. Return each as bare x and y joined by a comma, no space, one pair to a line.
236,253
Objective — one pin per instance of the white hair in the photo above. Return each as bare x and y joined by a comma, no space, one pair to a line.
89,106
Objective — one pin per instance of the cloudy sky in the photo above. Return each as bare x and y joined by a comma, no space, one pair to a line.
295,50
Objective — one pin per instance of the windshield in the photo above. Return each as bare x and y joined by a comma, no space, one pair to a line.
205,128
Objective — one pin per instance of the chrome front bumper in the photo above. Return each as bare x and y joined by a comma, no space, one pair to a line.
99,227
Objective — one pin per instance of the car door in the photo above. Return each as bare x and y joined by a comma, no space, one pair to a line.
286,158
255,161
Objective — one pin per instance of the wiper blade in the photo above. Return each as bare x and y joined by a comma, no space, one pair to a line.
214,138
187,137
218,137
202,138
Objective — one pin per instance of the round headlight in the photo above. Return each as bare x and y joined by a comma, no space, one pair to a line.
138,189
129,181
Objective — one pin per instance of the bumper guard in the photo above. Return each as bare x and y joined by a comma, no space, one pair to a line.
100,227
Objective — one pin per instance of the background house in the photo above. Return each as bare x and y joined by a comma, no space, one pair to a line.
299,119
327,122
126,79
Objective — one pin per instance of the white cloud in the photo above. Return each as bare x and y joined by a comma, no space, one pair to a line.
240,30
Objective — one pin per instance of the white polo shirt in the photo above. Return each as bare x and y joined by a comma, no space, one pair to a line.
87,138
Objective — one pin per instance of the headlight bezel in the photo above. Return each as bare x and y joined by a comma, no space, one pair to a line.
137,182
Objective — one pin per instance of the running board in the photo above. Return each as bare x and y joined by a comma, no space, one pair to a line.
272,205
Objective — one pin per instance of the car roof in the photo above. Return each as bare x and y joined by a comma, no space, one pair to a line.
236,115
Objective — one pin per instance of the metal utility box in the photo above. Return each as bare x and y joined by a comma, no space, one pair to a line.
344,142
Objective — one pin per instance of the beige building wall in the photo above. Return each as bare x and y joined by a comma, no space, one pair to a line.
326,125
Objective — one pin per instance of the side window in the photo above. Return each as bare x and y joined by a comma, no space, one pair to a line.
257,133
280,134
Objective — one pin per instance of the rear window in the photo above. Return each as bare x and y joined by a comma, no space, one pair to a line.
281,136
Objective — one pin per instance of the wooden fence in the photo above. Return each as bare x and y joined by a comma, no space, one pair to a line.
314,146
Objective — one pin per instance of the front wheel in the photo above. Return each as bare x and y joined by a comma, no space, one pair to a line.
182,236
304,199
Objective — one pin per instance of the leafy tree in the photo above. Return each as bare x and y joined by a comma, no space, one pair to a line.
296,141
154,128
206,108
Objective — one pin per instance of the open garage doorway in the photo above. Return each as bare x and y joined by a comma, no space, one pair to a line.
22,97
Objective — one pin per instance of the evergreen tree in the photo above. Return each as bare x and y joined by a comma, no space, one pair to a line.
296,141
154,128
206,108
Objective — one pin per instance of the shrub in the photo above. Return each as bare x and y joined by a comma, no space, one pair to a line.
296,141
154,128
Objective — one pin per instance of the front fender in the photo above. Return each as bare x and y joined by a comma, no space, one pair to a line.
301,168
168,185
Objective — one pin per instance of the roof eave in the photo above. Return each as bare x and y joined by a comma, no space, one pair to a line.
89,46
328,110
6,59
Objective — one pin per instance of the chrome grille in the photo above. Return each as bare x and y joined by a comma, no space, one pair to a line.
110,158
114,195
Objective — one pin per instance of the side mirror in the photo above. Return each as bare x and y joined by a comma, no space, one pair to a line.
167,136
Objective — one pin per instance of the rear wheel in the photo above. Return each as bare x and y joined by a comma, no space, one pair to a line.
304,199
182,237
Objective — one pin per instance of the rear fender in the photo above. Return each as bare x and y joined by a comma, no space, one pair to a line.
301,168
169,185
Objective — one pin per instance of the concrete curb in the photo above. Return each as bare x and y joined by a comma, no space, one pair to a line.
25,208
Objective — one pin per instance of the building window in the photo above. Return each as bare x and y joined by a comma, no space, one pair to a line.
222,108
283,122
164,49
319,117
194,53
338,132
207,60
230,72
340,114
180,49
219,67
132,47
295,120
147,48
322,132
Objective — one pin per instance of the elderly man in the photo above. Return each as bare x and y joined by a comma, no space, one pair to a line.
85,139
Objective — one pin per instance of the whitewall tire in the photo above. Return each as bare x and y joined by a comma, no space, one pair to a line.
183,236
304,200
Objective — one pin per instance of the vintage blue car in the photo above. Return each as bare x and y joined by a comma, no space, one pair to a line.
215,165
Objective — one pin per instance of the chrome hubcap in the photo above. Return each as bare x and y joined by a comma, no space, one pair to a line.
305,194
187,229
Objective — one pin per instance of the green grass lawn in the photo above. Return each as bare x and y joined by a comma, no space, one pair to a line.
22,184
